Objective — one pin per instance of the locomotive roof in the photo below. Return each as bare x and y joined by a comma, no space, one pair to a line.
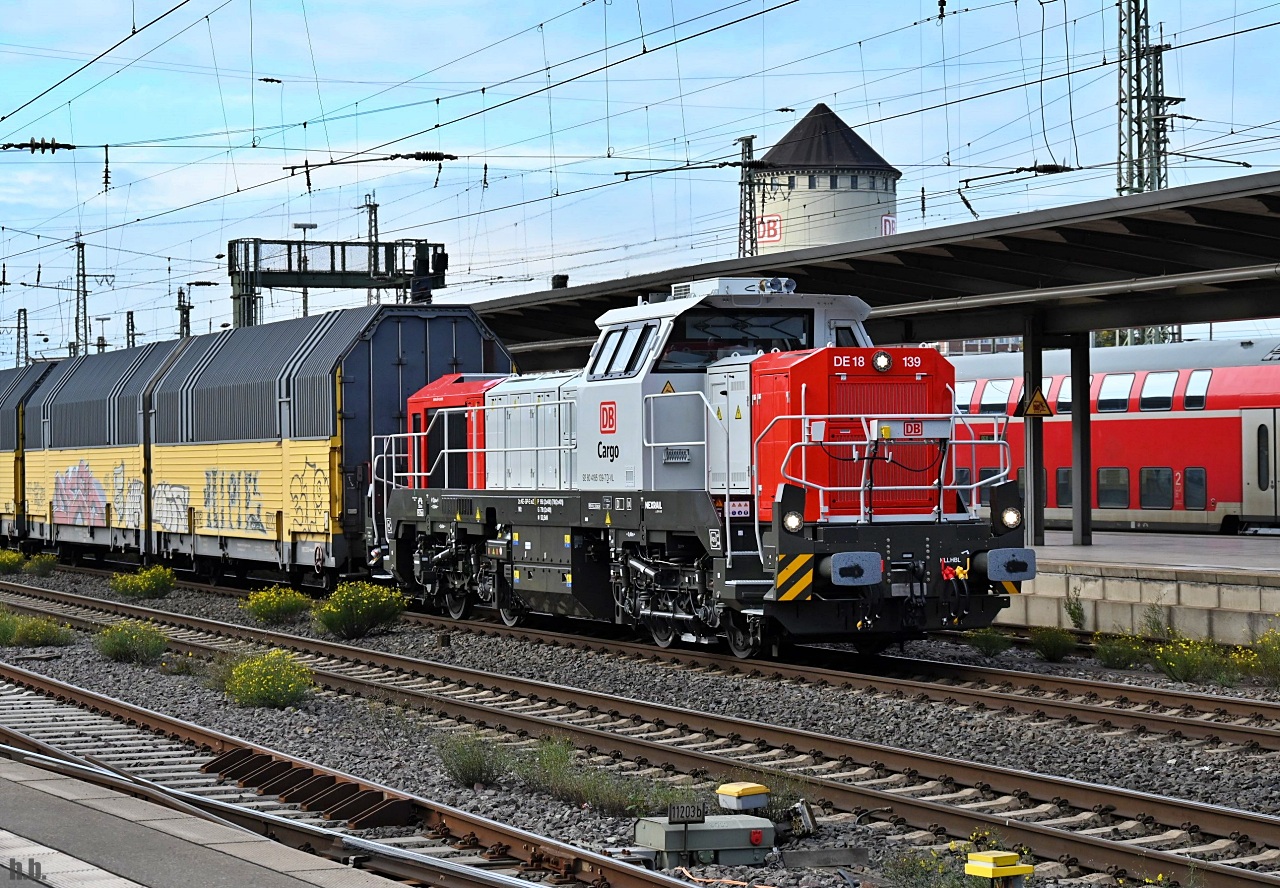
853,307
1204,354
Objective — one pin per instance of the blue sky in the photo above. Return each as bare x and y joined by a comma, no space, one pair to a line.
198,140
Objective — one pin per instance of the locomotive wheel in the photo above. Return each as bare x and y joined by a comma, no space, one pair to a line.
664,633
741,643
458,604
871,647
511,618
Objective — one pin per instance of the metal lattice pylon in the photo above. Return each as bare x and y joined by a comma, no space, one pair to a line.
1144,108
748,243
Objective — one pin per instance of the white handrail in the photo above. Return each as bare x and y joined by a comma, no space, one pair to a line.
871,424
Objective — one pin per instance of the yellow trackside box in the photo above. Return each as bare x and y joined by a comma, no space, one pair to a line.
996,865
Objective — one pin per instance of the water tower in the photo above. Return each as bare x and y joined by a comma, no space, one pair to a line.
822,184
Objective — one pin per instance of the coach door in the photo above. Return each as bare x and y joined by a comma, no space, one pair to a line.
1261,463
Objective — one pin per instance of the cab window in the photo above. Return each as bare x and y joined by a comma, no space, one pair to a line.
622,351
704,335
605,353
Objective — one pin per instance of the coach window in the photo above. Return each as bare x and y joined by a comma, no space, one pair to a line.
1157,391
1064,488
995,396
984,492
964,395
1195,496
1113,397
1155,488
1064,395
1113,488
1197,387
1022,483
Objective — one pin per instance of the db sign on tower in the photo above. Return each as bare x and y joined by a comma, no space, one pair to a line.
769,229
608,417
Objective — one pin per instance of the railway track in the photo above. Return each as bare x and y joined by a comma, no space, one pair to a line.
1185,714
1097,827
1247,722
299,803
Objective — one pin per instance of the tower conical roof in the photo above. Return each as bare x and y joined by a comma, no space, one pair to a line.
822,141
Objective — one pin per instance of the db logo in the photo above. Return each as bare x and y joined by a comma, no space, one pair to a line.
608,417
769,229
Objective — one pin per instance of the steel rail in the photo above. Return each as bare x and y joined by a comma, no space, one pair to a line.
537,851
1183,720
1176,724
1090,851
332,844
1187,713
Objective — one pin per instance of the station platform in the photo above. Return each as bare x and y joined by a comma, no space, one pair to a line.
1225,588
78,835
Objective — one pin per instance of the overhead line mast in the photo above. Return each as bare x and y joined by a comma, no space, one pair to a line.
1143,107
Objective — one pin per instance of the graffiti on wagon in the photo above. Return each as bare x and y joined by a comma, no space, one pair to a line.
233,500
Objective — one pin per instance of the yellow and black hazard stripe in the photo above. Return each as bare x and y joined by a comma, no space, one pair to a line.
795,578
1011,588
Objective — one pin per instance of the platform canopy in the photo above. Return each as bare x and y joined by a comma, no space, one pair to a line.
1198,253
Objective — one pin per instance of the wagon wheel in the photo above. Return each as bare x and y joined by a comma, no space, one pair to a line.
511,617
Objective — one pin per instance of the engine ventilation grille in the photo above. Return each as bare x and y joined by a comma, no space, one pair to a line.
679,291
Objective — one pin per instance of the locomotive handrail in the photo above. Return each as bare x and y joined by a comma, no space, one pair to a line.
869,425
651,447
449,450
384,470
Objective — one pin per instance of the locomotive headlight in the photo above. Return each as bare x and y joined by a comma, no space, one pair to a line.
793,521
1011,517
882,361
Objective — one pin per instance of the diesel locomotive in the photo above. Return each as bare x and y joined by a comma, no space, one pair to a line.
736,461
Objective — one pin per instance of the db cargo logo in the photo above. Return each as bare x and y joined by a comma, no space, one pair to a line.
608,417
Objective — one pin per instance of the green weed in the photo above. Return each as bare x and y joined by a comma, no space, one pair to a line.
356,609
1052,643
131,641
274,679
1122,650
153,582
988,641
278,604
40,565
